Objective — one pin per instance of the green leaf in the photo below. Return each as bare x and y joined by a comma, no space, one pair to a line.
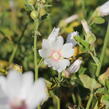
89,82
83,44
98,20
82,70
96,106
92,67
90,37
80,40
101,91
105,100
7,32
95,59
28,7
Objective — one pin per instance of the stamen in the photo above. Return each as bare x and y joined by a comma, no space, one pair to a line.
56,55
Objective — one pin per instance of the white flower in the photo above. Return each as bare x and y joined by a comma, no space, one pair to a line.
75,66
55,52
104,9
18,91
70,38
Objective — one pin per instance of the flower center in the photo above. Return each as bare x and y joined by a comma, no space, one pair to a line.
56,55
19,105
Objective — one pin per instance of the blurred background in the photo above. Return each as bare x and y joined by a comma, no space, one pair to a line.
16,29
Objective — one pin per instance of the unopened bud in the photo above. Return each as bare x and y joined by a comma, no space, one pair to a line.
90,37
70,38
34,14
73,68
42,12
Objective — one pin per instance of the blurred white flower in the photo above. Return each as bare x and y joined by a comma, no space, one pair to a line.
70,38
55,52
18,91
104,9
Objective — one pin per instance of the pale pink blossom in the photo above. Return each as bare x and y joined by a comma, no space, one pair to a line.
56,54
19,91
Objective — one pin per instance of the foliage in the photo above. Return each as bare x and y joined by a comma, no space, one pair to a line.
23,25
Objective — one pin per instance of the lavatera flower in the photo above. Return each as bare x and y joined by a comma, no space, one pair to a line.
56,54
18,91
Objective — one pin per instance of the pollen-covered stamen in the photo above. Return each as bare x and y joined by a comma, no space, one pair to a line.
18,105
56,55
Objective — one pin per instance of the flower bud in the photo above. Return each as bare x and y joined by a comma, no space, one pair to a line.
42,12
34,14
70,38
90,37
73,68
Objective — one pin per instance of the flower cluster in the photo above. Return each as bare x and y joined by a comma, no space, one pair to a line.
18,91
56,54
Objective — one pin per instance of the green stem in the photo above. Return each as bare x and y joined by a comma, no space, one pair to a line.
35,58
35,49
74,98
13,54
58,102
103,51
83,8
57,99
39,107
79,100
89,101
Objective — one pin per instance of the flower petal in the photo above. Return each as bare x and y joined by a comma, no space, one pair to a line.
58,44
45,43
104,9
63,64
3,97
70,38
44,53
38,94
67,50
3,84
51,63
52,37
27,83
4,107
13,83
